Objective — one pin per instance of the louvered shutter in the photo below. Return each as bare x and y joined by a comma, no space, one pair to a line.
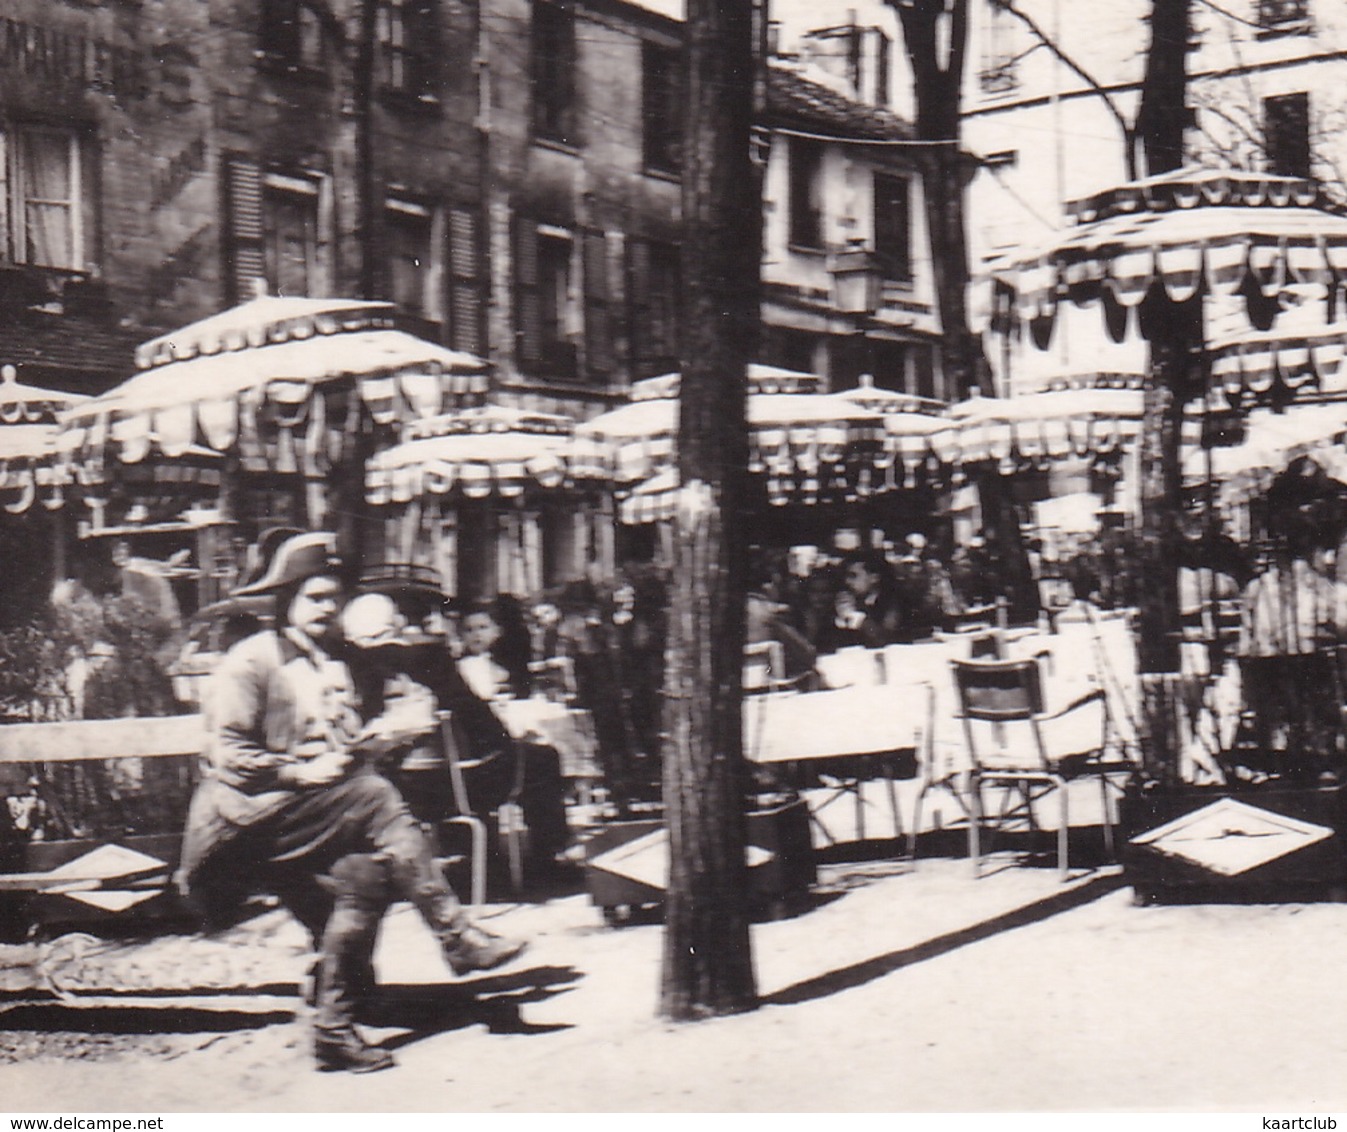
245,259
465,296
598,320
528,302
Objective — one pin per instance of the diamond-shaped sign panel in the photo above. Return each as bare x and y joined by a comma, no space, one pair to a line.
108,863
646,859
1231,837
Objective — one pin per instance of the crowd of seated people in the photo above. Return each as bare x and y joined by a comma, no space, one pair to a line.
879,596
611,639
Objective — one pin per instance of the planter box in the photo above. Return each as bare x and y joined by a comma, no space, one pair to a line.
1271,842
627,863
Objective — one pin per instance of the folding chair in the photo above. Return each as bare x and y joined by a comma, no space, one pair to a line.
1015,742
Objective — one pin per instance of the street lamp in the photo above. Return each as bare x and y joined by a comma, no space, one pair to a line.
856,282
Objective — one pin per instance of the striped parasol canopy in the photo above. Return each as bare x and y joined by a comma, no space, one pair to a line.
28,432
1274,242
808,445
1035,429
269,380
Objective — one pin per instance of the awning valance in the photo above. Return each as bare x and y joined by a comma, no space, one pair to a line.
476,452
1180,234
797,436
1035,429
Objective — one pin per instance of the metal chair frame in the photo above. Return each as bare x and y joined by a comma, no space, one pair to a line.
509,814
1005,693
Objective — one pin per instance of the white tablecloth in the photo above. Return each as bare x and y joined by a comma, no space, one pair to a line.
1084,654
569,730
841,722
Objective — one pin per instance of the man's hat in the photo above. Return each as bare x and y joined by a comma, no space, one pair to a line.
403,579
293,560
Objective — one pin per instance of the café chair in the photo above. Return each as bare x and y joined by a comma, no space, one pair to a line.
765,667
1017,742
509,815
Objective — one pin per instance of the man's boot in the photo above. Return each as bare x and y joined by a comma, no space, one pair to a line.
466,946
469,947
362,890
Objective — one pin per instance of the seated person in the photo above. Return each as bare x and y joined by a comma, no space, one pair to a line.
390,660
865,610
495,658
924,593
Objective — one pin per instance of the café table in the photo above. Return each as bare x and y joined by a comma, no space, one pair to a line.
552,723
836,738
879,683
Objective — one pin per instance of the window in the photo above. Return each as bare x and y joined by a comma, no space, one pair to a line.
806,209
660,107
889,365
883,70
554,61
544,314
1286,134
996,75
408,38
290,235
1283,17
790,348
414,269
926,383
290,35
654,285
893,227
45,203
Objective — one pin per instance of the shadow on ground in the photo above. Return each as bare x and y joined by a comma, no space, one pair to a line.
858,974
420,1009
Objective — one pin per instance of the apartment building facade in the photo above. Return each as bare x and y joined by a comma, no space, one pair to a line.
1051,89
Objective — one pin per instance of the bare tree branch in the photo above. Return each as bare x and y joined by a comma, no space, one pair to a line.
1128,131
1229,15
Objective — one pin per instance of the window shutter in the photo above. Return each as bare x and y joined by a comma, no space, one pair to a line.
638,287
245,261
598,321
528,309
465,297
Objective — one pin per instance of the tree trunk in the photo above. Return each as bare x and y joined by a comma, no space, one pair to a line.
936,55
1176,337
708,963
1158,654
1163,114
947,173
